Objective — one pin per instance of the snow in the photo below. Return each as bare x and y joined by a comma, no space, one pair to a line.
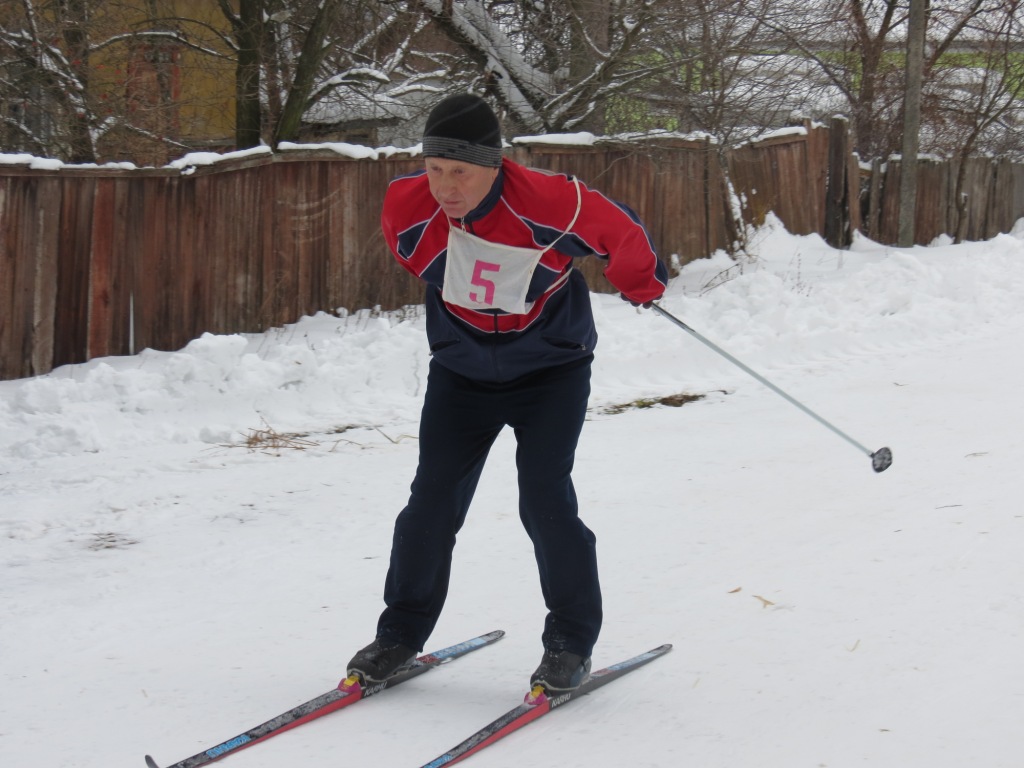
165,587
195,159
515,76
580,139
354,151
35,163
186,164
780,133
587,139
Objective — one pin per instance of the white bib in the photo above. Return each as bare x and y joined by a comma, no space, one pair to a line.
482,275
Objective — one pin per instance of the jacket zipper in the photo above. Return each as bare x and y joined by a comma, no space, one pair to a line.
468,227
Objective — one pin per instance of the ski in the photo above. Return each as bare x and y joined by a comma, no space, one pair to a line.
538,704
348,692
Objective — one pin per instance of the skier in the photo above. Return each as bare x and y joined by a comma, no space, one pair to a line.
511,335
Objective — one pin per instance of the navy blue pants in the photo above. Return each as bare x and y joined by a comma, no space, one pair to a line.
461,419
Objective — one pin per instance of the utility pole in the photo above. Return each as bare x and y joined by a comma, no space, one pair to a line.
911,121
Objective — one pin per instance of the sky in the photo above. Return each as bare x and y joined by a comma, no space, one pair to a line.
192,542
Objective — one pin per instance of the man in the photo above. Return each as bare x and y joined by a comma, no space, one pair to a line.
511,334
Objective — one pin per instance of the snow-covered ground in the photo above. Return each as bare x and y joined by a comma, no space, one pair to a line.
164,586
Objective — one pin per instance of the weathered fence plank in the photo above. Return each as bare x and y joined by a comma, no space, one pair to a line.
71,324
1001,204
786,175
838,231
28,250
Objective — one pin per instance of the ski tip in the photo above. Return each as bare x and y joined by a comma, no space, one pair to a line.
151,763
661,650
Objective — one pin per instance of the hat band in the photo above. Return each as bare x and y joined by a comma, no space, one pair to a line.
457,149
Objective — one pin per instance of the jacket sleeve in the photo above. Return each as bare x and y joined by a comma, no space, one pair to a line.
616,234
406,215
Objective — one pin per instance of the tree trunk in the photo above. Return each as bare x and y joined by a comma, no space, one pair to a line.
76,37
310,59
911,122
247,75
590,22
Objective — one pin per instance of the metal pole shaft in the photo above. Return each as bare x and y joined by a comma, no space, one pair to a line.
711,345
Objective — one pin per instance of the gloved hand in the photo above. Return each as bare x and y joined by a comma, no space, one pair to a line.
638,304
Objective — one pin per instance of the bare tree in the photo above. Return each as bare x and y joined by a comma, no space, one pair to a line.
376,60
294,58
860,52
247,26
288,58
727,73
84,80
305,69
550,66
978,108
45,56
911,121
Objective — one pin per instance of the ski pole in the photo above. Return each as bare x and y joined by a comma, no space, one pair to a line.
880,459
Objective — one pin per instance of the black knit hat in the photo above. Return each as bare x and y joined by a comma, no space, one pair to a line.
463,128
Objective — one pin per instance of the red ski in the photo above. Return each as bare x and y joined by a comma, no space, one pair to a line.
349,691
538,704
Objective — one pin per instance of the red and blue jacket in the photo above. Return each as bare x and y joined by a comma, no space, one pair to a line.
531,209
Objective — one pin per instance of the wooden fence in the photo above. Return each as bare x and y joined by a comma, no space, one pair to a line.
993,199
101,261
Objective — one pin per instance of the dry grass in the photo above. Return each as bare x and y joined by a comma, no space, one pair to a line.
110,540
269,440
672,401
273,443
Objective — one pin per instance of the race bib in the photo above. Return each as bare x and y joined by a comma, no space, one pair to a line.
482,275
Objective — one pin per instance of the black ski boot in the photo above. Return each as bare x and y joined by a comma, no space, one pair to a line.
561,671
380,660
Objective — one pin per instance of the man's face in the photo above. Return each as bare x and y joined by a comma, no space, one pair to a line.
458,186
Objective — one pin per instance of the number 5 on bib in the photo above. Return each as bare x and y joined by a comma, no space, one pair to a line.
488,285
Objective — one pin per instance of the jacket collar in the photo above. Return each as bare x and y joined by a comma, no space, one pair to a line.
489,202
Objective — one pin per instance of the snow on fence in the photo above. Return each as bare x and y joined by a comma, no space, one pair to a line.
110,260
